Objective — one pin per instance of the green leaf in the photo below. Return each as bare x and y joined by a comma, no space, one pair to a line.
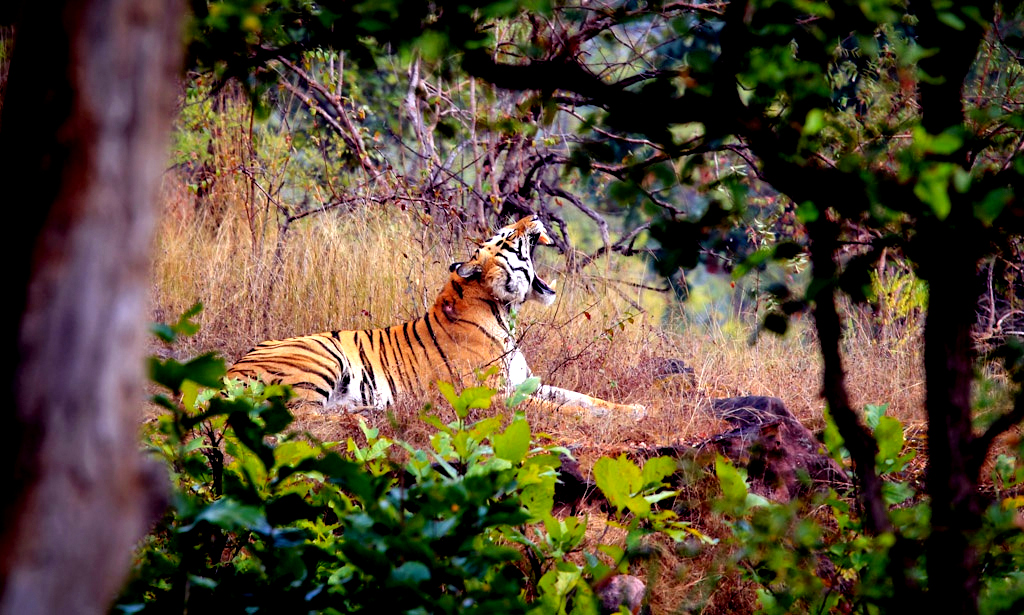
462,444
754,500
814,122
654,498
537,490
889,435
449,393
753,261
232,515
951,20
896,493
204,582
932,188
559,581
733,484
525,389
485,428
410,573
251,434
206,369
276,418
478,397
834,442
469,398
874,413
946,143
184,326
189,394
807,212
163,331
656,470
514,442
618,479
992,205
564,535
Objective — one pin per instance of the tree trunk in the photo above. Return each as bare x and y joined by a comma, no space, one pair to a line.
83,135
952,480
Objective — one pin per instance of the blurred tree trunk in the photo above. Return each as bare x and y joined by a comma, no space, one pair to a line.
954,467
82,142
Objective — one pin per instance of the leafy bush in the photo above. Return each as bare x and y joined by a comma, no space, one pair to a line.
816,556
262,518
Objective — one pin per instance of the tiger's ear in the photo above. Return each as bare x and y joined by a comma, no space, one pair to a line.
466,270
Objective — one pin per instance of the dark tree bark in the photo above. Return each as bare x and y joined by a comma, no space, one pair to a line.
859,442
953,470
82,142
948,261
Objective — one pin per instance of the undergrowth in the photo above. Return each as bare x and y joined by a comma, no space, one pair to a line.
266,516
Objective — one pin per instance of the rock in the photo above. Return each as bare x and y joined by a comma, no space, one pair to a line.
774,447
572,488
621,590
663,367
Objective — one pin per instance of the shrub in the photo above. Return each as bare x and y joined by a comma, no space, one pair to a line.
262,518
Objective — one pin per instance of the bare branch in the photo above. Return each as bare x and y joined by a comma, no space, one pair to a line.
623,246
341,124
602,225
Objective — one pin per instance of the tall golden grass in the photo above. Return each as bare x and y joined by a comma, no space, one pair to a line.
605,335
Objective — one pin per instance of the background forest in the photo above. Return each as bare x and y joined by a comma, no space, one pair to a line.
813,201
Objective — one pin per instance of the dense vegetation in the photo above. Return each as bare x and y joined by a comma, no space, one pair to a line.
851,165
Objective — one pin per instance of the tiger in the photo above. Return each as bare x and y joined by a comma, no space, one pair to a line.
468,329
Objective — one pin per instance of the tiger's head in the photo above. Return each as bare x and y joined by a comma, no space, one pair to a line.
504,264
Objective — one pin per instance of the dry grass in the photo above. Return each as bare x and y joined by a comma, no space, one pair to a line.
373,267
340,271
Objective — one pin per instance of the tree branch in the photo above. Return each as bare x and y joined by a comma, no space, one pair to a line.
342,124
862,446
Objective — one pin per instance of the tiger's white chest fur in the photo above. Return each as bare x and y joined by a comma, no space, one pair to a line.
516,368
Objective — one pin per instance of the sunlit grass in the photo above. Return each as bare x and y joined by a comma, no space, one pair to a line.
604,336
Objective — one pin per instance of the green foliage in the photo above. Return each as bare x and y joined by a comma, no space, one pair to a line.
262,518
184,327
816,556
1002,589
901,299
